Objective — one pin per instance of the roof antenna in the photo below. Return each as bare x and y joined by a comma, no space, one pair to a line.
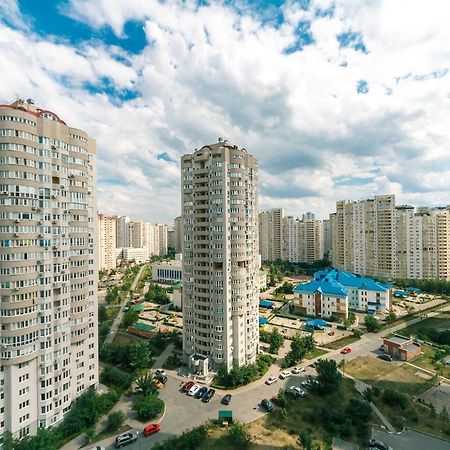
220,139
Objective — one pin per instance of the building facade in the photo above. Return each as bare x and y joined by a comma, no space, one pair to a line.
123,238
49,267
107,242
270,225
220,255
168,271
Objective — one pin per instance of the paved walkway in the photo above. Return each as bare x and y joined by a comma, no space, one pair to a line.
161,359
119,317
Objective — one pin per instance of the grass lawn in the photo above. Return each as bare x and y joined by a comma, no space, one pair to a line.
376,372
125,339
106,433
439,322
426,361
315,353
343,342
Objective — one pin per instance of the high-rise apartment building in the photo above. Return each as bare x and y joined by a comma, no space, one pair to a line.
363,236
178,234
326,237
123,232
270,234
161,233
302,239
49,268
107,242
220,255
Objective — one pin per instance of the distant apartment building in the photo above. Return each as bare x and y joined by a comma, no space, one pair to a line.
220,256
270,234
178,234
133,254
160,231
422,242
326,237
123,238
48,269
334,292
107,242
302,239
363,236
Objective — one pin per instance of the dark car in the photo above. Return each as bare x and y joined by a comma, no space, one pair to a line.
267,405
226,400
385,357
201,392
380,445
161,377
208,396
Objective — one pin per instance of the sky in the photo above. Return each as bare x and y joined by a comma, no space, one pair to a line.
336,99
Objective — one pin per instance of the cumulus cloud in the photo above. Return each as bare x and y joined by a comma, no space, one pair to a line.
336,99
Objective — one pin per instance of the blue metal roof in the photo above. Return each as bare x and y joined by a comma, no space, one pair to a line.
350,280
316,323
323,286
262,321
266,304
413,289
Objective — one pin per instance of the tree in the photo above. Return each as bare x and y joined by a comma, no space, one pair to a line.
372,324
238,437
130,318
390,316
148,407
328,376
115,420
305,439
444,414
276,341
112,376
139,355
300,346
111,295
145,385
89,434
102,314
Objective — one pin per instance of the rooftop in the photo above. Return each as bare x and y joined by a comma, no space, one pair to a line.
350,280
398,340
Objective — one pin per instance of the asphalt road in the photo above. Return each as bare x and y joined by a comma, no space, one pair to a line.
410,440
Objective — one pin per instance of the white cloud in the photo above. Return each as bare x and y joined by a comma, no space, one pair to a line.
212,71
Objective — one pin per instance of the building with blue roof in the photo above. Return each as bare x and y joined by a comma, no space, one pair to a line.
333,292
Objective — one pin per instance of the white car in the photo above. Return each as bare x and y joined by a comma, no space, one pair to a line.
271,380
192,391
298,392
285,374
298,369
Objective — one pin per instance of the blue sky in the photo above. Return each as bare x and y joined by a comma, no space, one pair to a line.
336,99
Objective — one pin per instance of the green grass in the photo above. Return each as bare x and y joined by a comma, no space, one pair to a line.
315,353
343,342
420,329
125,339
107,433
375,372
426,361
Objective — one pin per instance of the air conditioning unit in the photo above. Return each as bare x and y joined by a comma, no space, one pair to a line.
62,186
38,261
15,289
41,274
54,147
54,222
17,221
55,247
71,175
33,208
40,235
63,235
53,196
4,192
16,234
39,222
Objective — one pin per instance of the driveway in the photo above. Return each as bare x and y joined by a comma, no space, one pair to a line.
410,440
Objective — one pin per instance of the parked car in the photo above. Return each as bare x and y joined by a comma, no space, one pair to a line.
226,399
267,405
208,396
161,377
126,438
271,380
158,383
187,386
331,333
151,429
285,374
201,392
309,382
346,350
97,447
193,390
297,391
385,357
161,372
379,445
298,369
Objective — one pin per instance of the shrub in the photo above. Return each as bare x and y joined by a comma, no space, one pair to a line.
395,398
189,440
115,420
149,407
111,376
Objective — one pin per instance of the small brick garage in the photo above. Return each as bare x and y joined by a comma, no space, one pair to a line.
402,348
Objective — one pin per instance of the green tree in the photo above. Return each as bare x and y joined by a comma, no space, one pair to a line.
89,434
300,346
139,355
102,314
305,439
372,324
238,437
112,294
328,376
145,385
444,414
148,407
276,341
112,376
130,318
115,420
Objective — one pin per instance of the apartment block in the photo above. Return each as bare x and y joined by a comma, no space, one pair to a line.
49,267
270,234
302,239
107,242
363,236
220,256
123,238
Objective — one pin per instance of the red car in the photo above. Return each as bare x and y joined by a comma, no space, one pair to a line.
187,386
151,429
346,350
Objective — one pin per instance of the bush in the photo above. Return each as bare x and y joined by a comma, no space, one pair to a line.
172,362
111,376
189,440
395,398
115,420
372,324
149,407
237,436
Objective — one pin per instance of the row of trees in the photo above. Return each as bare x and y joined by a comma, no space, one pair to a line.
431,286
274,338
240,376
157,294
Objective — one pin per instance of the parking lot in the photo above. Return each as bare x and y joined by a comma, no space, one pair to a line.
410,440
